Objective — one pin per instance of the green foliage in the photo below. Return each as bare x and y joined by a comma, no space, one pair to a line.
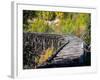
38,26
28,14
59,14
67,26
45,15
69,23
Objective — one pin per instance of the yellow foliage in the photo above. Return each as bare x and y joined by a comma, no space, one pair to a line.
59,14
36,59
45,55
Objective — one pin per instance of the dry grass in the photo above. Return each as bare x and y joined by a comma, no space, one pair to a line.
45,55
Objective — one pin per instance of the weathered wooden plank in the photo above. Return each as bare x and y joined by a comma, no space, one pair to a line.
73,50
70,54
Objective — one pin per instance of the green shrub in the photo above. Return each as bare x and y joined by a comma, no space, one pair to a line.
70,23
38,26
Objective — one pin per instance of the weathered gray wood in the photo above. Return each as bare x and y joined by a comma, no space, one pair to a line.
35,43
73,50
